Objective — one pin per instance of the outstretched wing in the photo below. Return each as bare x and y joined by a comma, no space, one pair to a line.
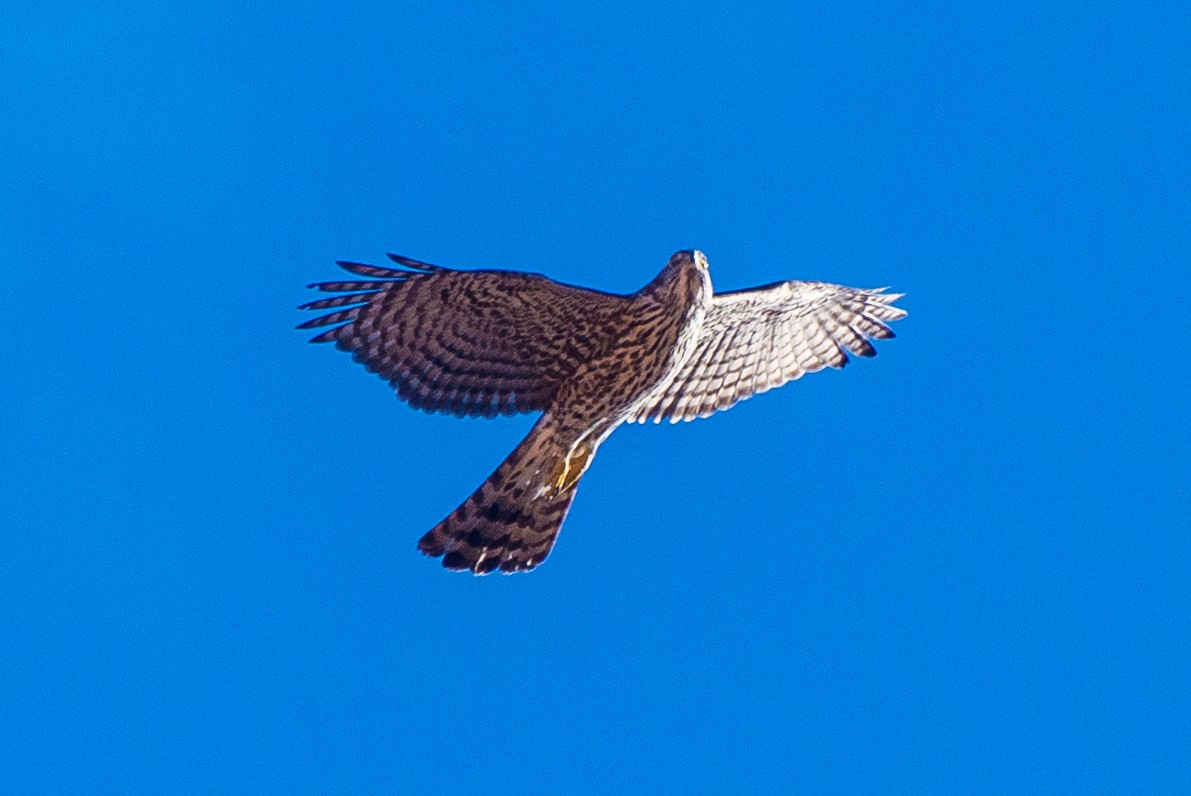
465,342
755,340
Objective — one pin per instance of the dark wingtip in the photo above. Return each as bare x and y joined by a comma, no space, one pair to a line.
311,324
343,300
409,262
375,271
329,336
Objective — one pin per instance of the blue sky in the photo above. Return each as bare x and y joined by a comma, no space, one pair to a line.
961,566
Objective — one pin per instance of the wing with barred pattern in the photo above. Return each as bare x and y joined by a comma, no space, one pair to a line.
470,343
758,339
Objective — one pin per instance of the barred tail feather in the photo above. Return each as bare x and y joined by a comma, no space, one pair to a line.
511,522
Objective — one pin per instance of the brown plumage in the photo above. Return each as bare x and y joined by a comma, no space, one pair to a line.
483,343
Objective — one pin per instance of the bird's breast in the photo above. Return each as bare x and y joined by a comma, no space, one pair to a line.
677,347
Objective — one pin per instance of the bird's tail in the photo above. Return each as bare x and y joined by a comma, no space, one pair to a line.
510,522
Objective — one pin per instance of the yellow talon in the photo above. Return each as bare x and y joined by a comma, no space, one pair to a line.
570,468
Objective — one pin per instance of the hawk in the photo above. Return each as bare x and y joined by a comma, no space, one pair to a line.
487,343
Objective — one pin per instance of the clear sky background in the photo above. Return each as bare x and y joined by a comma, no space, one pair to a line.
962,566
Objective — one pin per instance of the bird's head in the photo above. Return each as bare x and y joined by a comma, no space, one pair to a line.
687,274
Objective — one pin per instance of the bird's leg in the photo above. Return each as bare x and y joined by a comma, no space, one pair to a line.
570,467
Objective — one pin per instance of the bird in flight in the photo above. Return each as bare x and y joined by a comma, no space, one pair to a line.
486,343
